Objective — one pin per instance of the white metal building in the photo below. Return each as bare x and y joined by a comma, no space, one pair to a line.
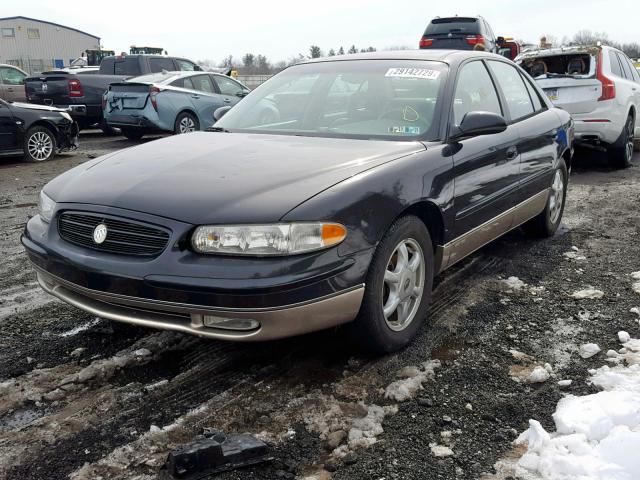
38,45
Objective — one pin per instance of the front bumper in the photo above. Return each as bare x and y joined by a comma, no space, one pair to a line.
265,324
67,138
184,291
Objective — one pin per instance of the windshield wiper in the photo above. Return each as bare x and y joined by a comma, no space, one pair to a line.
216,129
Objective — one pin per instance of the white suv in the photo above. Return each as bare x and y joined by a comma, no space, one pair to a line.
599,87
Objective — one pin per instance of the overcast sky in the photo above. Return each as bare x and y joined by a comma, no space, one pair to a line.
280,29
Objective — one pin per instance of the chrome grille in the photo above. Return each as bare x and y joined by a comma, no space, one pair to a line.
124,236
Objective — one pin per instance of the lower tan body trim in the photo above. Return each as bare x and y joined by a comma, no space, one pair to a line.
272,324
466,244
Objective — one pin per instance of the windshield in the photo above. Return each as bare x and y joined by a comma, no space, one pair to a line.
385,99
441,26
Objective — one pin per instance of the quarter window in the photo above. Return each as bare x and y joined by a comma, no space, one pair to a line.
33,33
474,92
513,88
616,69
535,98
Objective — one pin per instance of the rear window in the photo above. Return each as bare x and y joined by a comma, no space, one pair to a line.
160,64
574,65
453,25
163,77
127,66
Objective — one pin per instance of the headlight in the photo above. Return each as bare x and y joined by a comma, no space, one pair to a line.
45,207
67,116
277,239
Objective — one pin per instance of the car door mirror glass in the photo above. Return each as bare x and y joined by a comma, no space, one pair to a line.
479,123
220,112
242,93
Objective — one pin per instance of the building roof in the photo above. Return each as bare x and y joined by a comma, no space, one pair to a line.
20,17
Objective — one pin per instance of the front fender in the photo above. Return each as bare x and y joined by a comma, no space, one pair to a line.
369,202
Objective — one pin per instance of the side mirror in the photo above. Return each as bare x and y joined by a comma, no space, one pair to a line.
243,93
479,123
220,112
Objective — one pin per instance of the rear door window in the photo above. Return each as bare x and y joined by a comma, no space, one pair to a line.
634,71
513,88
185,65
474,92
127,66
202,83
535,98
625,68
159,64
11,76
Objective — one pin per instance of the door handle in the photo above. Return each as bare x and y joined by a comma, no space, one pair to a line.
10,89
195,96
227,100
512,153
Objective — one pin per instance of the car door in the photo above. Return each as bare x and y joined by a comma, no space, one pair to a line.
8,129
632,75
486,167
12,84
204,97
230,90
536,125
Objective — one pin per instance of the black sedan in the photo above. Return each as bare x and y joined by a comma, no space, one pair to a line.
373,173
37,131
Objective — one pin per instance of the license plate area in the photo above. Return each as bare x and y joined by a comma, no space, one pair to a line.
552,93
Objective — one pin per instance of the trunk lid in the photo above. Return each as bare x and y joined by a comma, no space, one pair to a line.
567,76
45,89
127,96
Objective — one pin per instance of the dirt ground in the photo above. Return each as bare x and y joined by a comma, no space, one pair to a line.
85,398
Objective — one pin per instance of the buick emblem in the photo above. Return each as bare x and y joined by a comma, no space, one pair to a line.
100,233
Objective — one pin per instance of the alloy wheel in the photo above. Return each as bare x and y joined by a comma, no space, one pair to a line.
628,147
187,125
40,146
403,285
557,196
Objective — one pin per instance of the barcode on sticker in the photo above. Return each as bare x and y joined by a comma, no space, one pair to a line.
413,73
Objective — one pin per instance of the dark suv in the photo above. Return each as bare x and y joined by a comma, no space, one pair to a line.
459,33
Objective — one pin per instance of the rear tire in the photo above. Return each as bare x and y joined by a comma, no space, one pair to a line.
186,123
547,222
39,144
401,273
621,153
106,129
132,134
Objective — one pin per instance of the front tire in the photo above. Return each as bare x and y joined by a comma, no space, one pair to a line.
186,123
547,222
398,288
39,144
621,154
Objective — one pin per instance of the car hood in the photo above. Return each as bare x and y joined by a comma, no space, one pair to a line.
207,177
33,106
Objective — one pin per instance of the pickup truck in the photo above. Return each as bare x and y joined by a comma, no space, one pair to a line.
81,93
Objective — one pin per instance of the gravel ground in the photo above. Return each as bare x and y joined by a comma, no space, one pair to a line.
86,398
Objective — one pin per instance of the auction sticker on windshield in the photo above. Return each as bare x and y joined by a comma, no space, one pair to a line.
413,73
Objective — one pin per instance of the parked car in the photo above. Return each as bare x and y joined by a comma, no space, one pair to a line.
459,33
599,87
36,131
509,48
178,102
82,92
339,211
12,83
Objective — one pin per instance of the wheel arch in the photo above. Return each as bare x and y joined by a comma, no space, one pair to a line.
46,124
190,111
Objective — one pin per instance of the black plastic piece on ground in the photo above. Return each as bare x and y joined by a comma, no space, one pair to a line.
214,452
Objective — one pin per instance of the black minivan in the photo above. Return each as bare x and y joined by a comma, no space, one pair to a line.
459,33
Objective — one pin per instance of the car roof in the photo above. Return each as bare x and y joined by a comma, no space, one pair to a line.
449,57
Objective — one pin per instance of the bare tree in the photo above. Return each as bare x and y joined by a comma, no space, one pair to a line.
341,51
353,49
332,53
314,51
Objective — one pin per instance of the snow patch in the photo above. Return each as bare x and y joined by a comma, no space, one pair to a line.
589,292
597,436
538,375
80,328
513,284
440,450
408,387
588,350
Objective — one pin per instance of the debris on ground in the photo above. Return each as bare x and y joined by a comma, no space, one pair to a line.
588,350
214,452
